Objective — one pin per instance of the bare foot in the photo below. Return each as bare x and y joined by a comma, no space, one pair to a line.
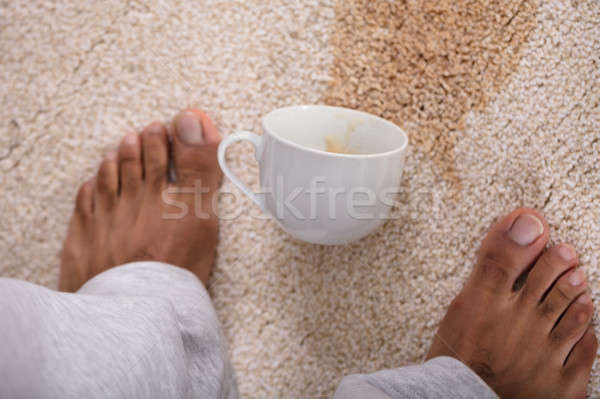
532,341
131,211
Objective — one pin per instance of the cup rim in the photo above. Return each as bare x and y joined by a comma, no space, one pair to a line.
400,149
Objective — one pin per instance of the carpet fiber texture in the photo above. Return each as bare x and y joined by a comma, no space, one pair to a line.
500,99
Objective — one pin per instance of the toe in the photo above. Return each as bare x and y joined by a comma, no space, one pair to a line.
548,268
578,367
509,249
563,293
571,327
107,183
194,145
84,204
130,165
155,147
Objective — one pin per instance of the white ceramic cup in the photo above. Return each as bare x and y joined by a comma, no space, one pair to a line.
319,196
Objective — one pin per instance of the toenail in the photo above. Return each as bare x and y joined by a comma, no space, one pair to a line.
111,156
131,139
576,278
526,229
189,128
155,128
566,252
585,299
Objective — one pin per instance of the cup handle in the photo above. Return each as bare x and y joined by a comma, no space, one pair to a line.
256,141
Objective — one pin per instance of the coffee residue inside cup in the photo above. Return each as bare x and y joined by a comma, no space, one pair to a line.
333,144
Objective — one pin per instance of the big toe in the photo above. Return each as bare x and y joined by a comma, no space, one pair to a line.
194,146
509,249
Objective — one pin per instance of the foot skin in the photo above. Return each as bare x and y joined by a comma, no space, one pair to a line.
528,339
131,211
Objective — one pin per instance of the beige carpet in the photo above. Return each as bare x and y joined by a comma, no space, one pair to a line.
500,99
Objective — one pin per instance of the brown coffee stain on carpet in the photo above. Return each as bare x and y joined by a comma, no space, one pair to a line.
426,63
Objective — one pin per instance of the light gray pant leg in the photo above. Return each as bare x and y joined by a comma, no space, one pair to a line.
143,330
441,377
